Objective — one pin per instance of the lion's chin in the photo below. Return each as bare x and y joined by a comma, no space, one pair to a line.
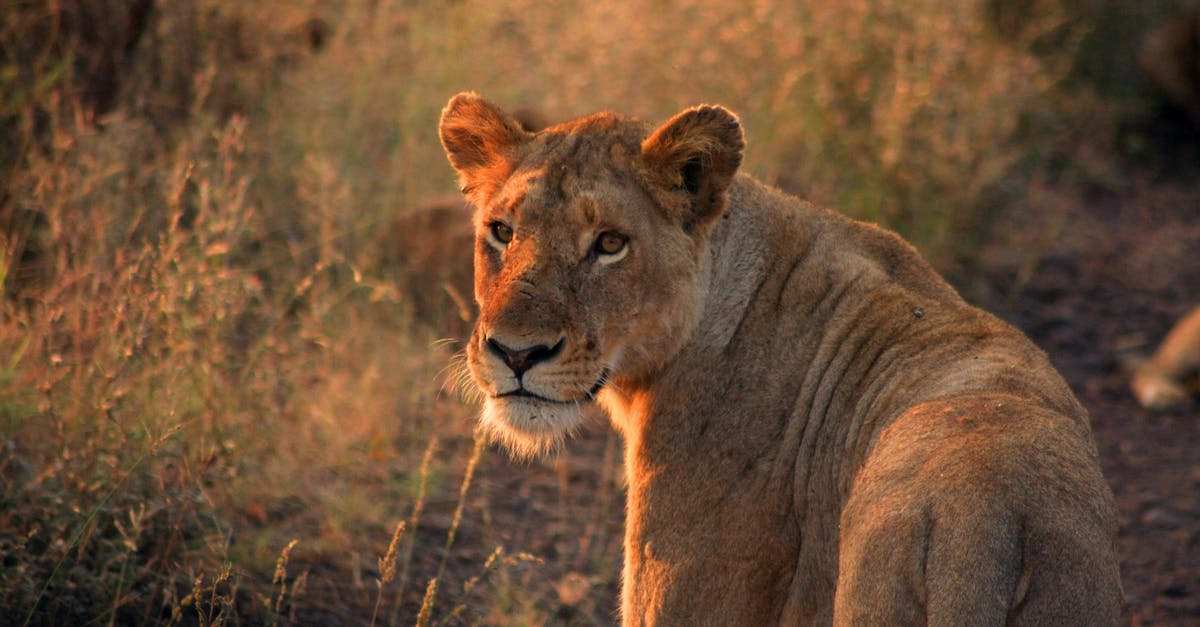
529,427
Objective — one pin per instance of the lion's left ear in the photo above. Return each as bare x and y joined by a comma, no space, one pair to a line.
481,142
698,151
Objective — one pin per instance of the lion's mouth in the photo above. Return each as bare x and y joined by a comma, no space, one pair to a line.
588,396
523,393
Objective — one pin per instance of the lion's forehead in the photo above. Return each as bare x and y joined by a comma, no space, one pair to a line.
574,182
582,151
547,201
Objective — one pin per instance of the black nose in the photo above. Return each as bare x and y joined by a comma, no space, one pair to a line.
520,361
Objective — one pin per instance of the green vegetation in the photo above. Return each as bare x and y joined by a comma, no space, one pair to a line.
215,405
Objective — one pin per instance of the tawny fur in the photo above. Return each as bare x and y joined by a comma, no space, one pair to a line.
818,429
1170,377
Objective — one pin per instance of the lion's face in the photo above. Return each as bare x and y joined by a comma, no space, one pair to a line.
566,300
589,250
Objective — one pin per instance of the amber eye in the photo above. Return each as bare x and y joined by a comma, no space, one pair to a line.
610,243
502,232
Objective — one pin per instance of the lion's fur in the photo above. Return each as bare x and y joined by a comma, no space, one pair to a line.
818,429
1170,377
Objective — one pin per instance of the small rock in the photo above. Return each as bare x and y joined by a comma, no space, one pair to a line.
1161,518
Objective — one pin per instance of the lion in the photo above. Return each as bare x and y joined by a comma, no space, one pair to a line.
817,428
1169,378
428,250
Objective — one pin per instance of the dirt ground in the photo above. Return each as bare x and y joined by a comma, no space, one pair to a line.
1093,310
1116,274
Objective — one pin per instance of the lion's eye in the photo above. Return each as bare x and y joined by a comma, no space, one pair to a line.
502,232
610,243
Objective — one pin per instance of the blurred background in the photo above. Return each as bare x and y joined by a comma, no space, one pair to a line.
234,274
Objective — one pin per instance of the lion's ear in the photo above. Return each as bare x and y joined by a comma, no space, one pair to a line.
481,142
698,151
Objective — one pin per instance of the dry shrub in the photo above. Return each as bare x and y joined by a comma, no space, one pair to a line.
116,399
188,359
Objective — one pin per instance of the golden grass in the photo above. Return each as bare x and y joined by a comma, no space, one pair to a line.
213,393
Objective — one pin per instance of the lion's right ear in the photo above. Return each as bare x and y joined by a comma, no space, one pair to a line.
481,142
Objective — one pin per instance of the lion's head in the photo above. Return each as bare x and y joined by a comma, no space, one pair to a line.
590,253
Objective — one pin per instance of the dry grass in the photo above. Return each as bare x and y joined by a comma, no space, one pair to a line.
214,395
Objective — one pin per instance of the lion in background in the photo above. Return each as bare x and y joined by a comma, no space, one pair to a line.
817,428
427,248
1172,375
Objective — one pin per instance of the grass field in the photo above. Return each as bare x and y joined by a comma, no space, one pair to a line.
218,403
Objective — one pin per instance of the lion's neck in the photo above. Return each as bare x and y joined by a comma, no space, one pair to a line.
757,414
738,263
735,265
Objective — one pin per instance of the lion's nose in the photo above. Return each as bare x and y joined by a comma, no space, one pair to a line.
520,361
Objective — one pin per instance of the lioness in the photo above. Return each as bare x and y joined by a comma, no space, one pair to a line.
1169,378
818,429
